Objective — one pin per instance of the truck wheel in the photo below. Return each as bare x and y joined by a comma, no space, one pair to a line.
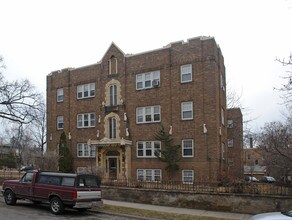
56,206
10,198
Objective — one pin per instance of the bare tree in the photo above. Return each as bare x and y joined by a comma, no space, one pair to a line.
20,138
19,102
50,161
39,127
233,100
286,88
2,65
276,142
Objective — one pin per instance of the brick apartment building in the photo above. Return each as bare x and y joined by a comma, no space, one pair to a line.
110,111
234,143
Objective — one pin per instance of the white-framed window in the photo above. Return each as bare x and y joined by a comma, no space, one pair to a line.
186,73
149,175
112,128
229,123
148,80
222,116
92,151
230,142
60,95
188,148
113,95
187,110
222,82
222,151
187,176
147,148
86,91
60,122
84,150
148,114
86,120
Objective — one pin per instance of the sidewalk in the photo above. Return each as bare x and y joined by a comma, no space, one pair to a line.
195,212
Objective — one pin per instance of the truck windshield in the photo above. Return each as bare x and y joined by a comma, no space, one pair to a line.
88,181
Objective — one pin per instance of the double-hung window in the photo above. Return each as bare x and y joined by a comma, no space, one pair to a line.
187,148
149,175
229,123
230,142
187,110
60,95
147,80
186,73
187,176
85,150
112,128
86,91
148,148
60,122
113,95
86,120
148,114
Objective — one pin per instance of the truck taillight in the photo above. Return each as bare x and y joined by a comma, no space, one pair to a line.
75,195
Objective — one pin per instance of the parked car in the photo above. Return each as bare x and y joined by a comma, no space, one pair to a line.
273,216
251,179
269,179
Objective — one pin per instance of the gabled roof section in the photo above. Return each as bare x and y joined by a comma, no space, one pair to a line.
113,48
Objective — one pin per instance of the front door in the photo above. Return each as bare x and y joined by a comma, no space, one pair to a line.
113,168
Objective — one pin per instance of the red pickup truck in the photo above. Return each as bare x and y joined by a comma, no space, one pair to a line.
78,191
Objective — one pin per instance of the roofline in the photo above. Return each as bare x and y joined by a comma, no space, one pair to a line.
203,38
182,42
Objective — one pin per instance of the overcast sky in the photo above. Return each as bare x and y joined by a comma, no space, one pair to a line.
38,37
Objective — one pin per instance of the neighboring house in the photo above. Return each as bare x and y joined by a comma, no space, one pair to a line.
7,149
110,111
254,163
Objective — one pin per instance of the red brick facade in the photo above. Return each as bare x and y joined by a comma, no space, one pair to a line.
116,77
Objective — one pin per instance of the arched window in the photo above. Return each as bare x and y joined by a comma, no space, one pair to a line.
112,128
113,95
113,65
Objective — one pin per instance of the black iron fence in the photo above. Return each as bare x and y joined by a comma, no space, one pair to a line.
205,187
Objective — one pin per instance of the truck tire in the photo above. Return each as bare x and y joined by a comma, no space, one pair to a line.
56,206
10,198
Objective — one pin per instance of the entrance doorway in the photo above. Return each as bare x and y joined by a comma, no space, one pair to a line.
112,168
112,164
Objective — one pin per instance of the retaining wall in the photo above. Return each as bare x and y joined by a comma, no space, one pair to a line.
238,203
